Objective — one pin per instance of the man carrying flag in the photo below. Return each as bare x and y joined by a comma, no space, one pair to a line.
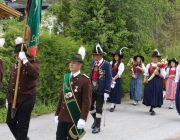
74,102
21,92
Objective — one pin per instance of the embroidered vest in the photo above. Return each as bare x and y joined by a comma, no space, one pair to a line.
172,72
151,69
95,73
115,68
136,70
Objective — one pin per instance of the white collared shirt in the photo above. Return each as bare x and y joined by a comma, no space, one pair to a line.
100,62
120,68
76,74
162,70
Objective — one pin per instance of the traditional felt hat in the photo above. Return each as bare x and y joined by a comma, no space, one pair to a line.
119,52
97,49
79,56
156,53
142,58
173,60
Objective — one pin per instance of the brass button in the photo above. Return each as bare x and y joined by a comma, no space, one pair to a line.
63,107
19,87
13,89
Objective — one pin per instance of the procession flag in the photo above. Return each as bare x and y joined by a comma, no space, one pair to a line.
33,11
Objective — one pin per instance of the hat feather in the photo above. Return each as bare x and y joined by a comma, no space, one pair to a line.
98,46
122,49
82,52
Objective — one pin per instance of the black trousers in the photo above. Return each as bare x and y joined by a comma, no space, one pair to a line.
19,125
62,132
99,99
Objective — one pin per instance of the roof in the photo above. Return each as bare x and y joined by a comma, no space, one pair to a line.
6,12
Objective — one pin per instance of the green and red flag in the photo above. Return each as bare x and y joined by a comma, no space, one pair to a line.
33,11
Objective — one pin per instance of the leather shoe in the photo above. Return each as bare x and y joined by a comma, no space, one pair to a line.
170,107
114,106
96,130
153,113
150,110
111,109
93,125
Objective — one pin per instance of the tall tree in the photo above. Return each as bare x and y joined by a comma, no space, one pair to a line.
99,21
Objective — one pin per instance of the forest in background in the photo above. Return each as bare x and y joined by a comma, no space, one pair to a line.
140,25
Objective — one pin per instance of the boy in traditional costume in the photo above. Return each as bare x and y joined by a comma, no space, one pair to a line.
74,102
101,78
153,91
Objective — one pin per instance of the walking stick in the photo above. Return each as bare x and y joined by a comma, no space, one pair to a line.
104,112
14,109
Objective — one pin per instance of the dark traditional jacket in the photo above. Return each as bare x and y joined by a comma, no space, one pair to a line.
83,96
105,77
1,72
27,82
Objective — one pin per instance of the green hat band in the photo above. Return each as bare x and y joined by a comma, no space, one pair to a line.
76,58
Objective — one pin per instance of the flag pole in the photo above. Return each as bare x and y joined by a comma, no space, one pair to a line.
14,109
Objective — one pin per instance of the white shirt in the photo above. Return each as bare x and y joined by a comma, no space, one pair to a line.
167,70
99,62
162,70
75,74
120,68
177,77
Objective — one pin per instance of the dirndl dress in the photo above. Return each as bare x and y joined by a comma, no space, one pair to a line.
153,93
115,94
170,85
136,86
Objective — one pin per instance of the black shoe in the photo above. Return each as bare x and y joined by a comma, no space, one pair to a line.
96,130
111,109
114,106
150,110
93,125
170,107
28,138
153,113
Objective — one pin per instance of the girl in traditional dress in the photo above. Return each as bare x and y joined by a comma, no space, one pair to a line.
136,80
177,86
117,70
153,92
170,84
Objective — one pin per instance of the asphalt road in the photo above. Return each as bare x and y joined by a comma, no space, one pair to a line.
128,122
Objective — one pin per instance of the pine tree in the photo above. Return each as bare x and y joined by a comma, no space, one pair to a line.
98,21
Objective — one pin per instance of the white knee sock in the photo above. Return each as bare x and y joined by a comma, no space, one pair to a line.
112,105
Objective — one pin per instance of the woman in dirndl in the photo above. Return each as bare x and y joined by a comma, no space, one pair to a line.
136,80
170,84
177,87
153,91
117,70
